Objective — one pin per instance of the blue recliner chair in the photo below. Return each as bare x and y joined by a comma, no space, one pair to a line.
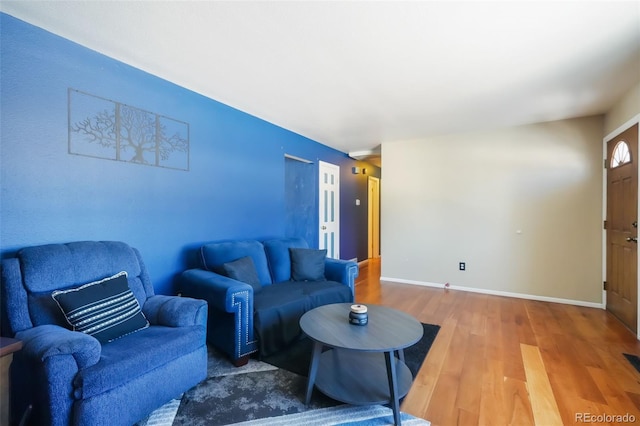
116,372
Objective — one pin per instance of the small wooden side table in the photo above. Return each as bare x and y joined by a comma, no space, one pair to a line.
7,347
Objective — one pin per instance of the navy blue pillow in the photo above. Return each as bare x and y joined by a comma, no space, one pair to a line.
243,270
307,264
105,309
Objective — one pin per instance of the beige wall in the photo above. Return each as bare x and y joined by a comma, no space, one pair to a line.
624,110
521,206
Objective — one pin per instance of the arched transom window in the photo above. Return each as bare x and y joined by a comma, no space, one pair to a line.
621,155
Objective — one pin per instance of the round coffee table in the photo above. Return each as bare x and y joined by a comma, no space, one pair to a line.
361,367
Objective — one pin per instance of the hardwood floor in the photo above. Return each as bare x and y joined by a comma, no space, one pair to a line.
500,361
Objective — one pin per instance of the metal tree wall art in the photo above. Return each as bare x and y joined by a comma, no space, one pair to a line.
102,128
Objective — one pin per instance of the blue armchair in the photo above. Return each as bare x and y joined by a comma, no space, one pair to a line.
260,312
83,378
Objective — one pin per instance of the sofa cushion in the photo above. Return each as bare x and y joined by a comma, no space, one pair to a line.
135,355
279,258
214,255
307,264
44,269
326,292
243,270
99,259
105,309
278,308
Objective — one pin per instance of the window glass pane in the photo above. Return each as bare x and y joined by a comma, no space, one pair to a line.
333,206
621,154
326,206
333,245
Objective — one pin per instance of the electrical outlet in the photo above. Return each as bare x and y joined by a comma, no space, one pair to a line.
462,266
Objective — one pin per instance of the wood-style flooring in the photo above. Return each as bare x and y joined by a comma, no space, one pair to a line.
508,361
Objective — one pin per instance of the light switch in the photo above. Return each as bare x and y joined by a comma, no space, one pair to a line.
357,202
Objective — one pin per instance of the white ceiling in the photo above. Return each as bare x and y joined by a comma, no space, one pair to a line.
355,74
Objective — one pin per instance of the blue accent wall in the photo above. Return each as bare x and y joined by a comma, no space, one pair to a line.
235,187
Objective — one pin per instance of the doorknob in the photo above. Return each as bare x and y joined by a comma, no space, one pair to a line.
323,227
635,224
632,239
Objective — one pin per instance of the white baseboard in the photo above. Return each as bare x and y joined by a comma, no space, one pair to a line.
499,293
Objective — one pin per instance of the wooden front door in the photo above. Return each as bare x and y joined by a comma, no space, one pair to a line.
622,227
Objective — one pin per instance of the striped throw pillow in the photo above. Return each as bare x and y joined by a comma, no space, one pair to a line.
105,309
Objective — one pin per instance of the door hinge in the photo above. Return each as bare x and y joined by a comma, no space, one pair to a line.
605,163
604,286
604,224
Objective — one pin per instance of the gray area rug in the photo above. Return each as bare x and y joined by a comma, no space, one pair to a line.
234,394
262,394
341,415
229,399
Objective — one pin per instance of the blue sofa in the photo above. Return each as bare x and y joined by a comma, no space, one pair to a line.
261,312
97,378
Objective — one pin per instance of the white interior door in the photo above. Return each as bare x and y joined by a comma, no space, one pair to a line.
329,190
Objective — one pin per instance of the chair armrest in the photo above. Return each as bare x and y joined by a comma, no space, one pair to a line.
230,303
46,341
174,311
219,291
46,368
342,271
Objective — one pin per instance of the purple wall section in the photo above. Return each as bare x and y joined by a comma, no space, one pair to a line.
234,188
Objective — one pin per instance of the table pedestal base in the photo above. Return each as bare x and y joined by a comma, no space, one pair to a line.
359,378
